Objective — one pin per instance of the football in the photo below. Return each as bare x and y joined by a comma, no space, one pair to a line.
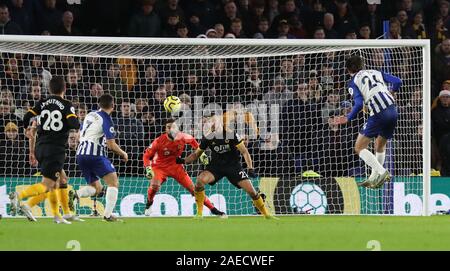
172,104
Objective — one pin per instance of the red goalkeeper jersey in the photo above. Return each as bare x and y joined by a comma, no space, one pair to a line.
163,151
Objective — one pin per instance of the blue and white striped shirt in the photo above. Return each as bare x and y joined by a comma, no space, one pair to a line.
369,87
97,128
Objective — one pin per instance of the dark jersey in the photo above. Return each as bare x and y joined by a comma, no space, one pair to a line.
223,148
55,118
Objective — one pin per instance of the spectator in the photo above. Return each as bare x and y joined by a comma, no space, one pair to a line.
82,111
365,32
230,12
278,93
150,125
204,11
236,28
439,32
283,30
319,33
406,28
145,23
256,13
49,17
296,29
13,147
327,77
318,13
254,87
350,34
272,10
128,72
73,85
6,25
441,63
334,149
192,85
418,27
70,166
330,106
140,103
395,30
328,25
220,30
211,33
182,30
195,26
35,93
290,9
169,8
287,73
130,133
21,12
66,28
6,114
91,100
112,82
170,28
37,69
407,5
444,13
263,28
344,17
440,119
374,18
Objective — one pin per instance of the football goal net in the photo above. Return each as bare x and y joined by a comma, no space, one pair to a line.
281,96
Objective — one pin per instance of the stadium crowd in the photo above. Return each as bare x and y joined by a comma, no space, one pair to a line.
310,88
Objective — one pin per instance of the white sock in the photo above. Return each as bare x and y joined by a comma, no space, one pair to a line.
371,161
86,192
111,199
380,158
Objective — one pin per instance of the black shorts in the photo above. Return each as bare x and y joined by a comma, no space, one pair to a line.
234,173
51,160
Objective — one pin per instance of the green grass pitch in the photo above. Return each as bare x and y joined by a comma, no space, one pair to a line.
235,233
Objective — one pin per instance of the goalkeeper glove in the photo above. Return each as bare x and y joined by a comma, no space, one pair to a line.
180,160
204,159
252,173
149,172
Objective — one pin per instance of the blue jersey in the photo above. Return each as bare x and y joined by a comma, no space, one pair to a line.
97,128
370,87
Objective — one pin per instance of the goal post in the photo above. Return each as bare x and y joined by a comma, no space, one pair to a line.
280,95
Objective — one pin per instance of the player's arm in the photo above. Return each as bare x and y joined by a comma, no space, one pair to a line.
72,119
359,104
112,145
149,153
393,80
31,113
192,157
30,133
248,159
108,131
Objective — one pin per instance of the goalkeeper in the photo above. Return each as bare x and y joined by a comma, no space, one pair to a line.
160,163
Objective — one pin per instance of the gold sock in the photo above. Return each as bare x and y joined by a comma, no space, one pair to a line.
53,200
199,199
259,203
64,200
33,201
32,190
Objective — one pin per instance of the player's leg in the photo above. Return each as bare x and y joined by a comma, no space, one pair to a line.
205,177
158,179
258,201
362,142
112,193
183,178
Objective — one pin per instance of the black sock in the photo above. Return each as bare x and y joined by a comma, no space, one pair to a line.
148,204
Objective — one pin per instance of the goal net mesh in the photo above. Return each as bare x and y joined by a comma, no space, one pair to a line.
281,99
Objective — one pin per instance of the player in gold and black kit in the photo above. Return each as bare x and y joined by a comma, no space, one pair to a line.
55,118
226,147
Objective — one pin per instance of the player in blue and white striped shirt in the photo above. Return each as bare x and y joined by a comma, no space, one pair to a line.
369,87
96,135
